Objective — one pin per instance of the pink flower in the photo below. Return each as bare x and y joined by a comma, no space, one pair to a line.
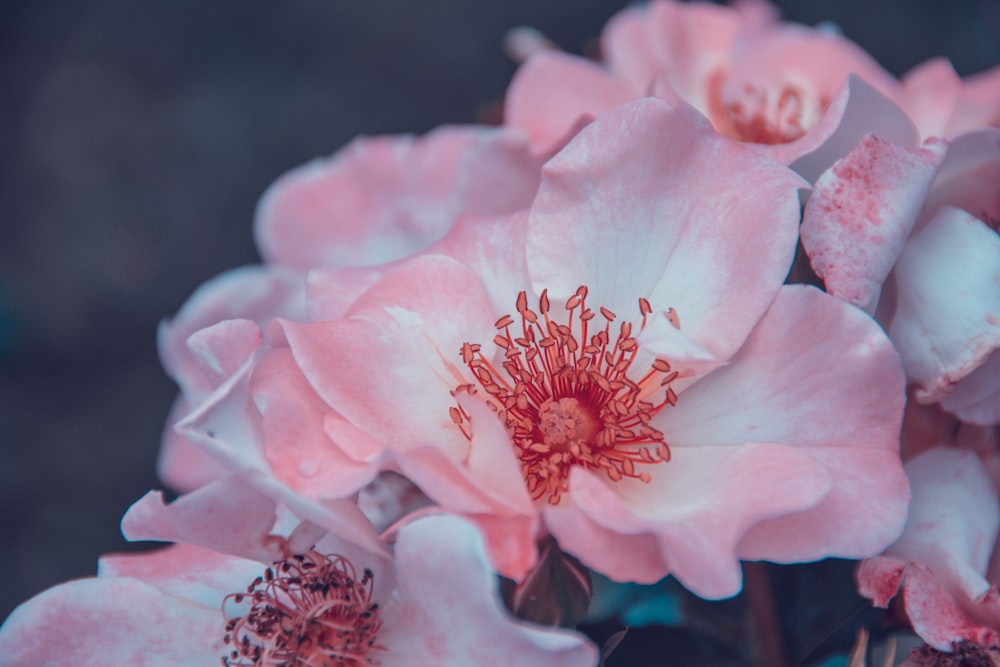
435,604
374,201
946,563
680,411
909,233
802,96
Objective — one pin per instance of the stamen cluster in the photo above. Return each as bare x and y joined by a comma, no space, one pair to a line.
565,395
310,610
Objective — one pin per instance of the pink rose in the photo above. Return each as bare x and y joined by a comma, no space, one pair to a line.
436,604
374,201
707,413
800,95
909,233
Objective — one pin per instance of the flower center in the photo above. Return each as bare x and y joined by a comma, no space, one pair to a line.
310,610
565,395
760,115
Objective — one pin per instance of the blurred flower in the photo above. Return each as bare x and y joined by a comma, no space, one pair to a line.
436,603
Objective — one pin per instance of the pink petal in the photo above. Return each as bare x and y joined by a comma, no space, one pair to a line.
331,292
227,426
976,399
494,249
383,198
553,91
861,212
819,375
447,609
251,292
181,464
390,367
953,521
699,505
97,622
931,91
947,319
636,213
189,572
295,442
226,515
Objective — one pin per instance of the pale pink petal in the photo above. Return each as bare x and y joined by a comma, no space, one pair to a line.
252,292
553,91
100,622
494,249
189,572
331,292
295,442
226,515
976,399
383,198
181,464
953,521
931,91
391,366
862,211
227,426
968,174
632,208
698,506
447,609
947,319
842,402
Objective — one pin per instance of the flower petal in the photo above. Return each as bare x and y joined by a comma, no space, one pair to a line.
862,211
649,201
947,319
553,92
383,198
97,622
447,609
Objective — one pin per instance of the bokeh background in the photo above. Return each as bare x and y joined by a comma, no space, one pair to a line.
135,139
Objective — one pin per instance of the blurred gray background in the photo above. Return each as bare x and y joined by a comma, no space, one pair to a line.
135,139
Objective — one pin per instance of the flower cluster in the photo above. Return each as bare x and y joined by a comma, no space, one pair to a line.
666,319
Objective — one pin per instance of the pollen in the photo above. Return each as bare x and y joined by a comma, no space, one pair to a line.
568,396
310,610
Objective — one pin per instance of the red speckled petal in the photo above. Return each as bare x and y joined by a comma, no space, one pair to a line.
861,213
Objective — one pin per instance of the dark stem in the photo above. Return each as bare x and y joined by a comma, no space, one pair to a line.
767,639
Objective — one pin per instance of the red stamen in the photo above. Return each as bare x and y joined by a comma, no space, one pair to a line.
566,397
